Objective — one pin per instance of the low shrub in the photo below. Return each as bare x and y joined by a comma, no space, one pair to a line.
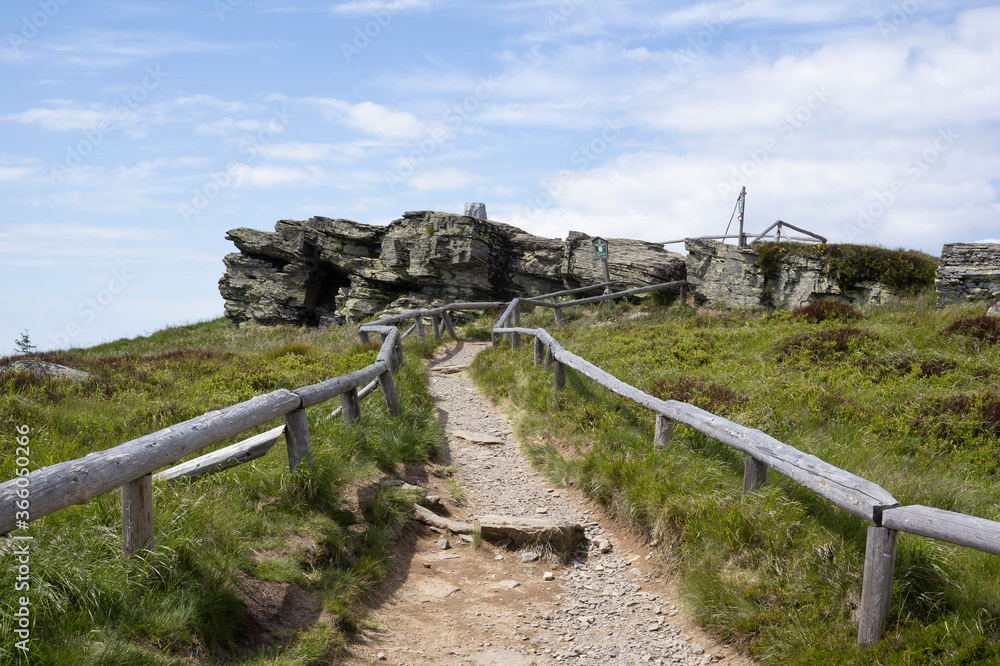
833,344
983,328
825,309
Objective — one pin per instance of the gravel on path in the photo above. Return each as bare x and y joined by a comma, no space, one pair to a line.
606,605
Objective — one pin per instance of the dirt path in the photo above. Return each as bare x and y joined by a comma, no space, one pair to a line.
494,606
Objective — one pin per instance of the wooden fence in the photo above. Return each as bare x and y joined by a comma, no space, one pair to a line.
130,466
849,492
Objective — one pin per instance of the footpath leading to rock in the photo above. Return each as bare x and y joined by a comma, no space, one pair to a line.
461,605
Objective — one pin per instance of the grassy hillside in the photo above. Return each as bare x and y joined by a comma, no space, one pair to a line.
904,395
231,549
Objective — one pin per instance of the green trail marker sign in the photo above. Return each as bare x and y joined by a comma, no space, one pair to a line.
601,248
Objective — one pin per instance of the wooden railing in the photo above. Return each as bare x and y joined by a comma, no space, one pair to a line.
851,493
130,466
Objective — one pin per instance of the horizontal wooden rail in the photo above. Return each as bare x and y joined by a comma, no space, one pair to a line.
604,297
130,465
77,481
230,456
851,493
413,314
956,528
315,394
578,290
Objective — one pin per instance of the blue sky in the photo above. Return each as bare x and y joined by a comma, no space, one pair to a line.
135,134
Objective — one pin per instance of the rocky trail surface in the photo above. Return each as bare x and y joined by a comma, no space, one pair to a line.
451,603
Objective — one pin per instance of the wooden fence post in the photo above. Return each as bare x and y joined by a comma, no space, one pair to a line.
548,357
436,326
297,438
364,337
684,295
137,515
558,375
446,318
558,315
515,339
664,430
389,393
399,352
754,475
351,406
876,588
419,321
539,352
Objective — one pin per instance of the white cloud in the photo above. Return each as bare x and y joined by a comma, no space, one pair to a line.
371,118
210,101
363,7
268,175
443,179
295,151
227,127
61,119
10,174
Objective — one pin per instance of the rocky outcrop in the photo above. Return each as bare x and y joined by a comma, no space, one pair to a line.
969,272
46,369
731,276
323,271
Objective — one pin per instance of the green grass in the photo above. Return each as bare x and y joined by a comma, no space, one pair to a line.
904,395
326,527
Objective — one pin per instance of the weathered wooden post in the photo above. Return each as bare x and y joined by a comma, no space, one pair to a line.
754,475
684,294
351,406
548,357
515,339
876,588
436,326
539,352
558,375
388,388
419,321
398,353
664,431
557,312
137,515
446,318
297,437
364,337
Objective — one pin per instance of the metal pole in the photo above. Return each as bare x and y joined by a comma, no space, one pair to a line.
740,204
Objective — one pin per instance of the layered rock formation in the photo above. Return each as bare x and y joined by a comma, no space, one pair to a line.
731,276
323,271
969,272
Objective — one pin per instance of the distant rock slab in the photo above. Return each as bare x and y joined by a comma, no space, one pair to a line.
47,369
969,272
323,271
730,276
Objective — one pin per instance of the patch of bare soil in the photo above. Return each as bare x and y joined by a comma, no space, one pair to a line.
607,603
